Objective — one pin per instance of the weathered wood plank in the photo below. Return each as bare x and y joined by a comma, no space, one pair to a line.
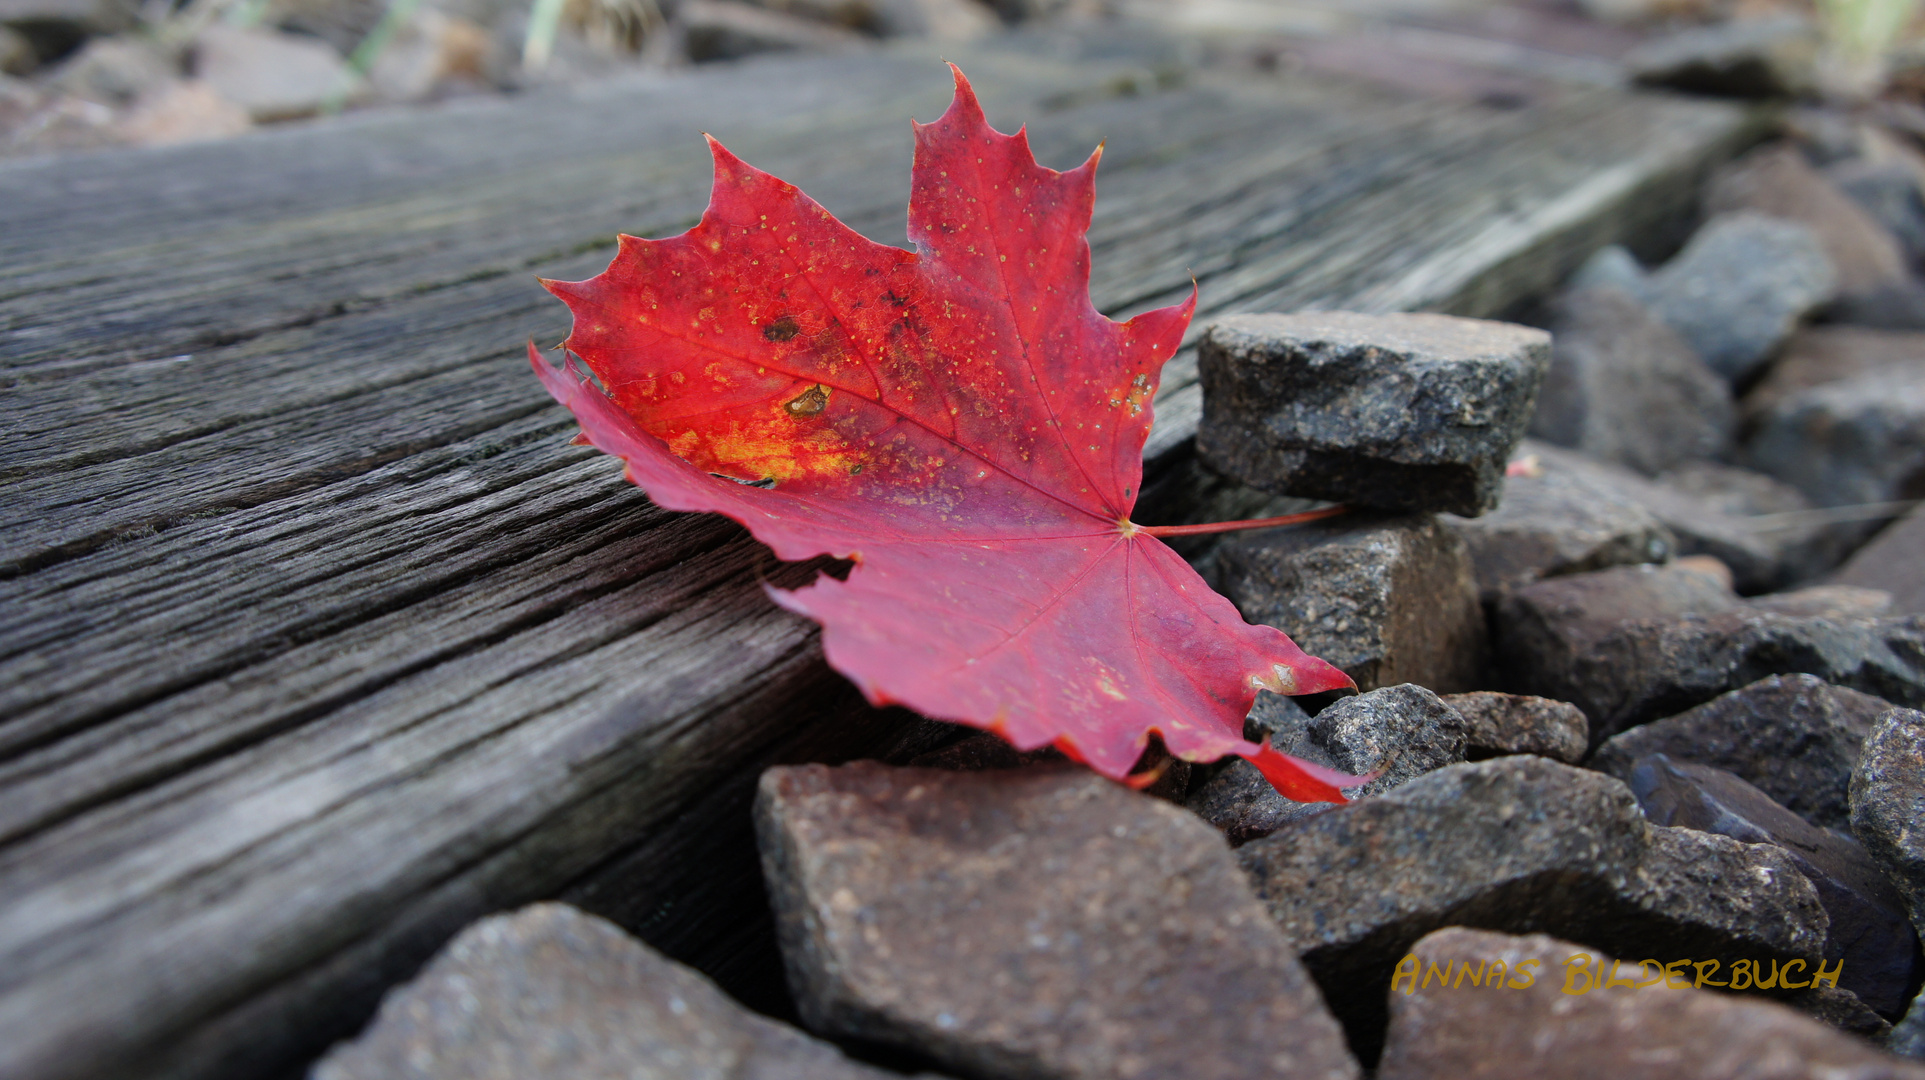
319,642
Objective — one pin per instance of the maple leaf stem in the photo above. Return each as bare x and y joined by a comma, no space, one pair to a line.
1236,526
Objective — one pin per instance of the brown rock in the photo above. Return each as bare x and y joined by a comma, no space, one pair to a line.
1555,520
549,991
1795,737
1625,388
1826,602
1608,1032
1776,180
1403,412
1894,562
1518,844
1387,599
1826,354
1496,724
1542,630
1033,923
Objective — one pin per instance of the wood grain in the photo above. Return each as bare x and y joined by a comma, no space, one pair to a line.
317,640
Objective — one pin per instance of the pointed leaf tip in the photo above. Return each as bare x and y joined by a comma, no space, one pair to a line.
1300,780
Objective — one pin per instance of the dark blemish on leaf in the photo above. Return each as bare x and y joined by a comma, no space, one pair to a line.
855,470
809,402
893,298
781,329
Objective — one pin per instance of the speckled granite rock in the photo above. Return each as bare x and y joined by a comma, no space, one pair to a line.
1519,844
1888,802
1031,923
1401,412
549,991
1496,724
1869,932
1388,599
1795,737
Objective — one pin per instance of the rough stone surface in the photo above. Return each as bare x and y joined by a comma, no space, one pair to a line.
273,76
1648,669
1841,1009
1753,58
1549,1028
1239,803
1869,931
1778,181
1907,1037
1887,191
1892,562
1857,440
1795,737
1740,286
1542,630
1625,388
1888,802
1760,528
1387,599
1031,923
1496,724
1404,731
1402,412
1557,520
549,991
1826,602
1518,844
1818,355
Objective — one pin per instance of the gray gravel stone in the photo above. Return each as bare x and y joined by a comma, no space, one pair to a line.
1612,267
1777,180
1387,599
1624,387
1550,1028
1795,737
1644,670
1031,923
549,991
1556,520
1818,355
1401,412
1891,564
1888,802
1888,191
1239,803
1842,1010
1740,286
1518,844
1757,526
1496,724
1869,934
1405,731
1858,440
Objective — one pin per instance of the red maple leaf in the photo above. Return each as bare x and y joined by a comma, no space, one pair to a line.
962,424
